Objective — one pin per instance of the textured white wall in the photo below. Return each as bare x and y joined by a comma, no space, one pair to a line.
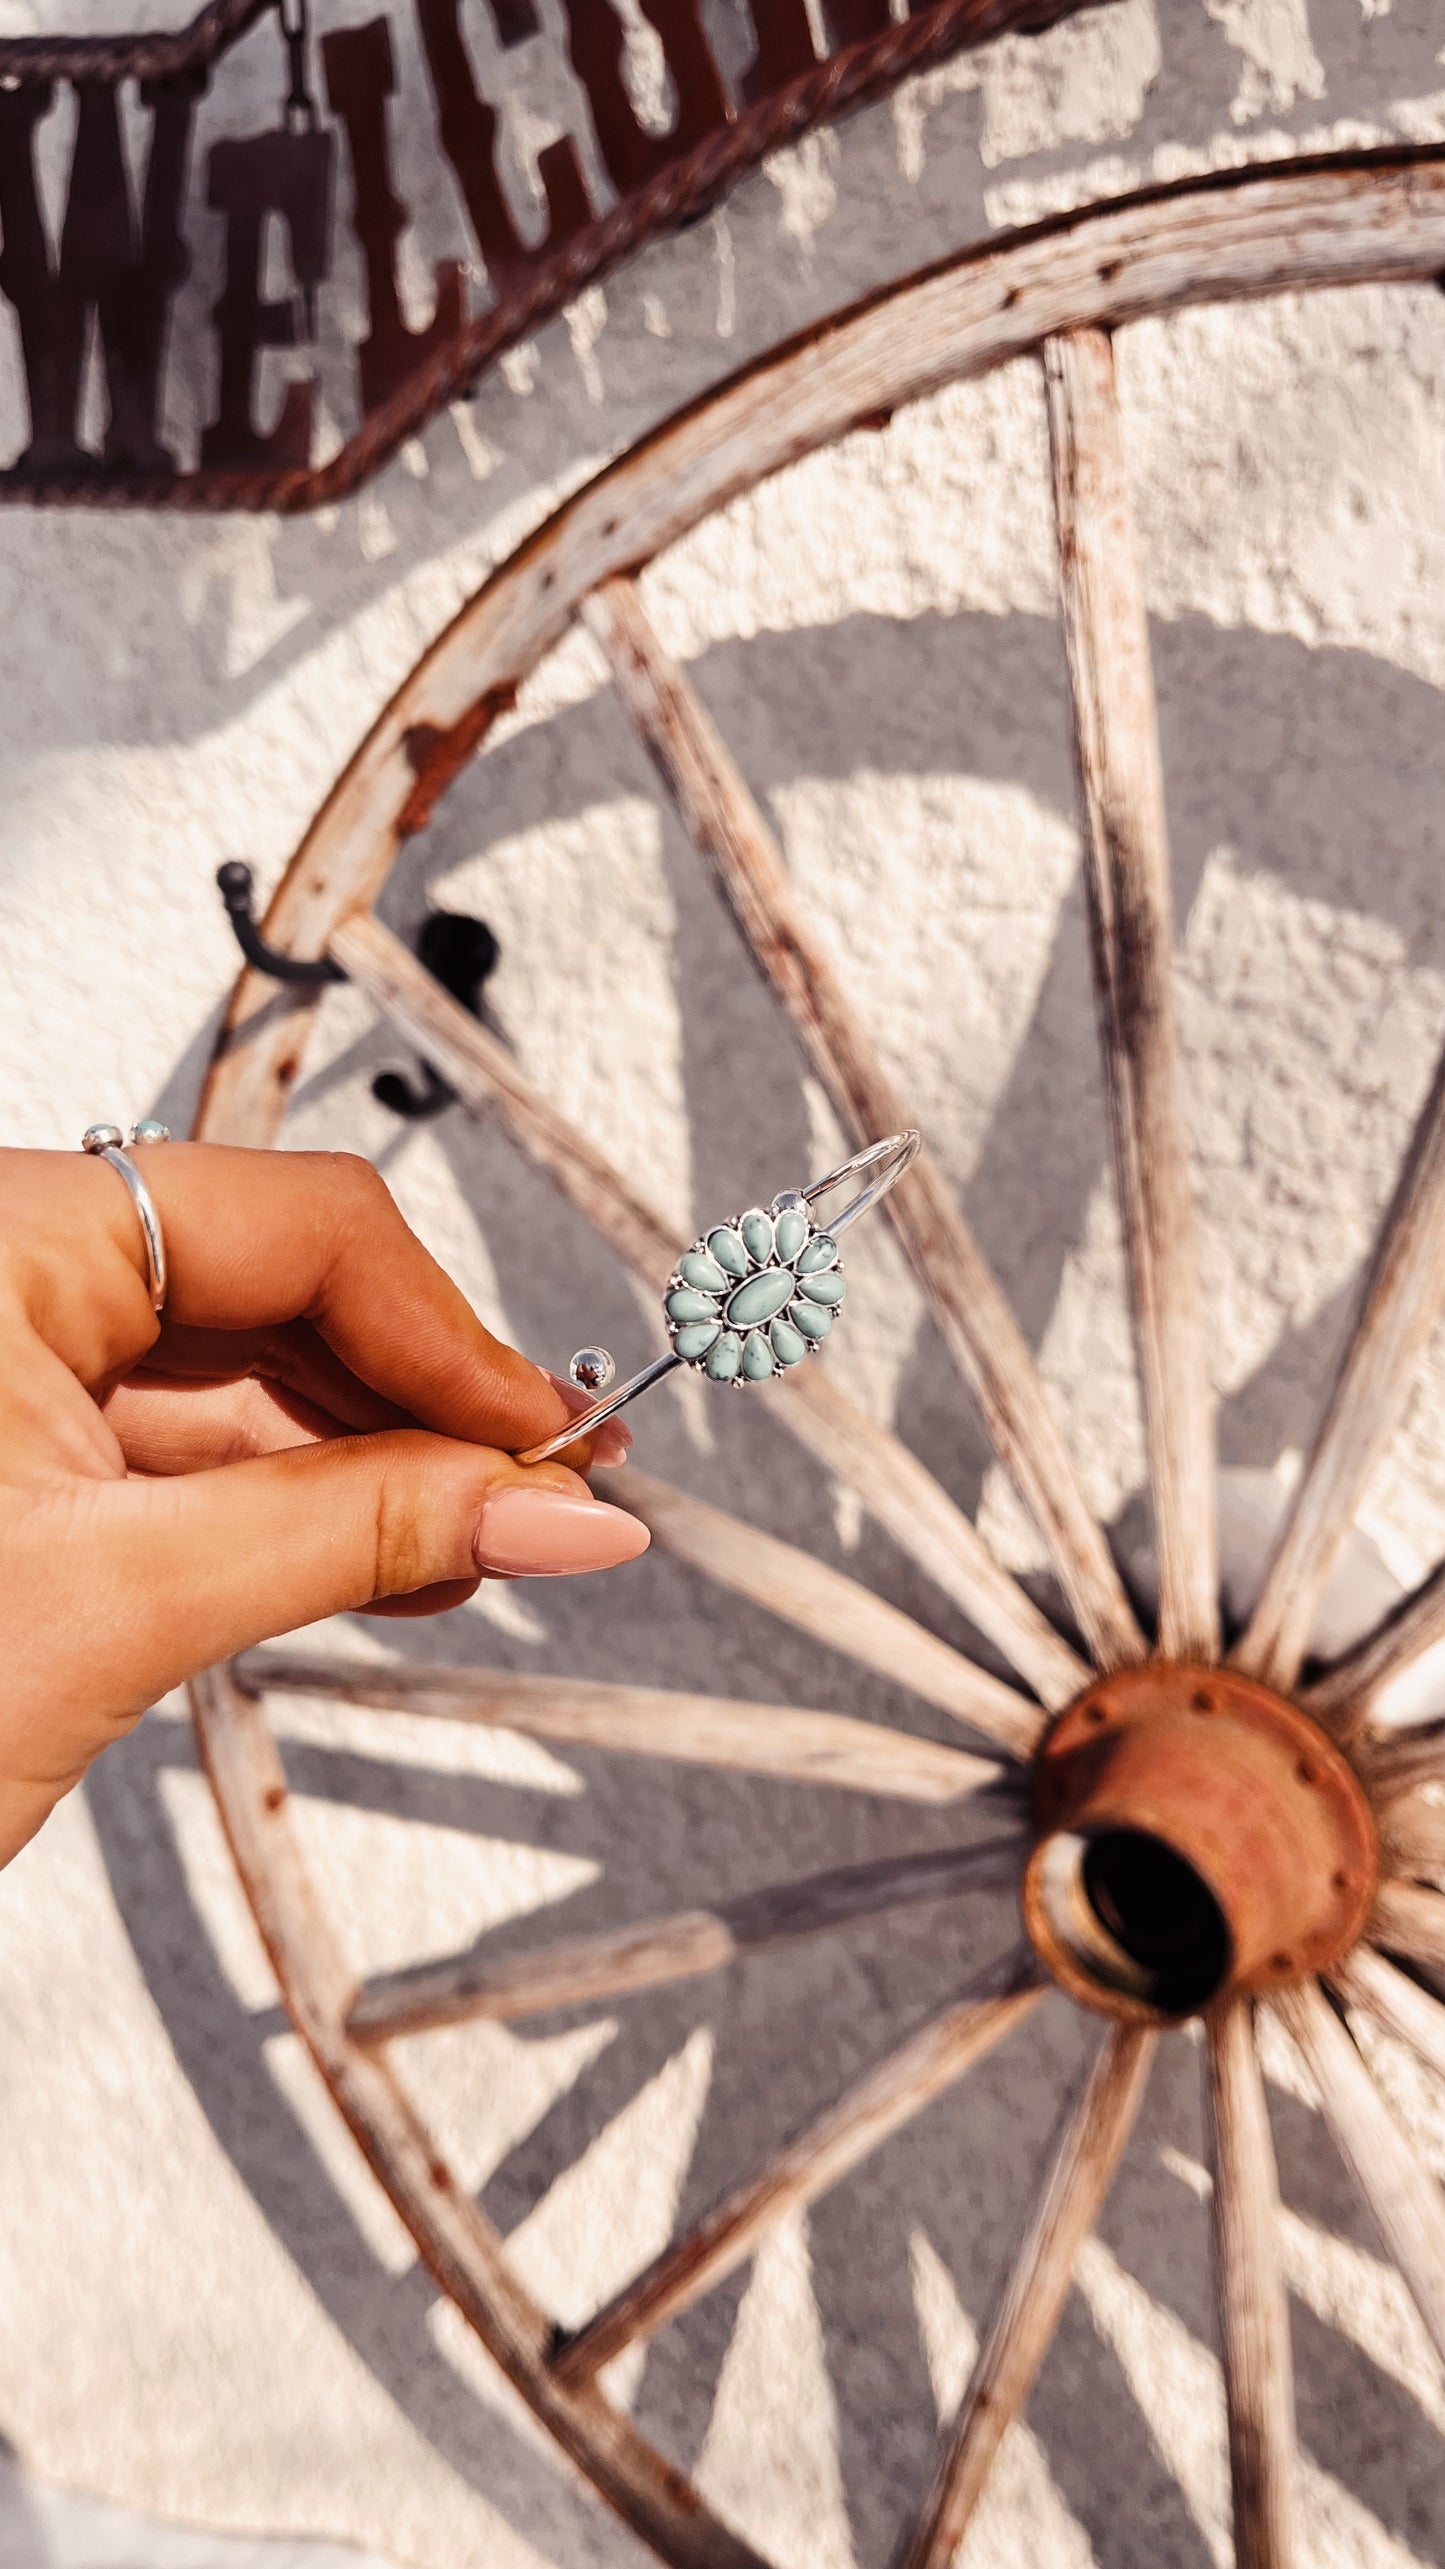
207,2309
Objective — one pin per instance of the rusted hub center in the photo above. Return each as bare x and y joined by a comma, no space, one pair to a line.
1196,1833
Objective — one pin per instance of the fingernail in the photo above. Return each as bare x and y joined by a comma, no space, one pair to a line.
572,1393
548,1534
614,1441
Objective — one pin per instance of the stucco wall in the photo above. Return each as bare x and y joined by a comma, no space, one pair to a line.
207,2310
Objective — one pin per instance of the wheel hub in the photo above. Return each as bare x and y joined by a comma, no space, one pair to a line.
1197,1833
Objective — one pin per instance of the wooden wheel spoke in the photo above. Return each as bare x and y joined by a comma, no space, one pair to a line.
1253,2311
725,825
1394,1762
924,1521
1034,2294
1343,1694
1407,2204
1126,870
1412,1837
1411,1921
641,1721
487,1079
895,1488
1401,1300
1398,2004
617,1961
830,1606
880,2104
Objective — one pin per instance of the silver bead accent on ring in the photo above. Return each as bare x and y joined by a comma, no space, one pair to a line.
107,1142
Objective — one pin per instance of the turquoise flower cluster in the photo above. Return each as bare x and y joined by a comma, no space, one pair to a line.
753,1297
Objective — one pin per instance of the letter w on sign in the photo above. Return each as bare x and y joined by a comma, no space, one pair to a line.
111,268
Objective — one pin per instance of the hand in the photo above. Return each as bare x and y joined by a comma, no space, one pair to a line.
318,1423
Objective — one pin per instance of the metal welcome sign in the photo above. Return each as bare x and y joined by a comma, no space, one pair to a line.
176,206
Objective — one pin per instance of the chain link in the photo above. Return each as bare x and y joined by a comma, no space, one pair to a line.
300,109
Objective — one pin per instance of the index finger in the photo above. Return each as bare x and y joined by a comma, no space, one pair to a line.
255,1239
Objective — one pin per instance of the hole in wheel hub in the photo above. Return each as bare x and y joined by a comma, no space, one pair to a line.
1161,1913
1196,1833
1134,1919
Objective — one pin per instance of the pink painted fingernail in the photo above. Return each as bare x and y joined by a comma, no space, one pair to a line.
614,1441
549,1534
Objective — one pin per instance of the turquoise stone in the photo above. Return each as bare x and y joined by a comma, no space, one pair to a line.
818,1254
727,1248
704,1272
757,1231
790,1231
788,1345
725,1357
695,1339
760,1297
684,1304
807,1317
827,1288
757,1357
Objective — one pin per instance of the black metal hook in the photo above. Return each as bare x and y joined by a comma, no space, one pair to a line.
413,1104
236,886
458,952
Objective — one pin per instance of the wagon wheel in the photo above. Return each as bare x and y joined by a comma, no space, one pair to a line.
1201,1825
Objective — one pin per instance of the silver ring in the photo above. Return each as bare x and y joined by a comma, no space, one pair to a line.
107,1142
752,1297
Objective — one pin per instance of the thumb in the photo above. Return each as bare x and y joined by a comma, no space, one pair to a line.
166,1576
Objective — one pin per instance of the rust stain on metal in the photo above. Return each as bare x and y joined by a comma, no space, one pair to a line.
436,755
1234,1782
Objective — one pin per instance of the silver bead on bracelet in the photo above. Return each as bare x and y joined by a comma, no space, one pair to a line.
108,1142
751,1298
